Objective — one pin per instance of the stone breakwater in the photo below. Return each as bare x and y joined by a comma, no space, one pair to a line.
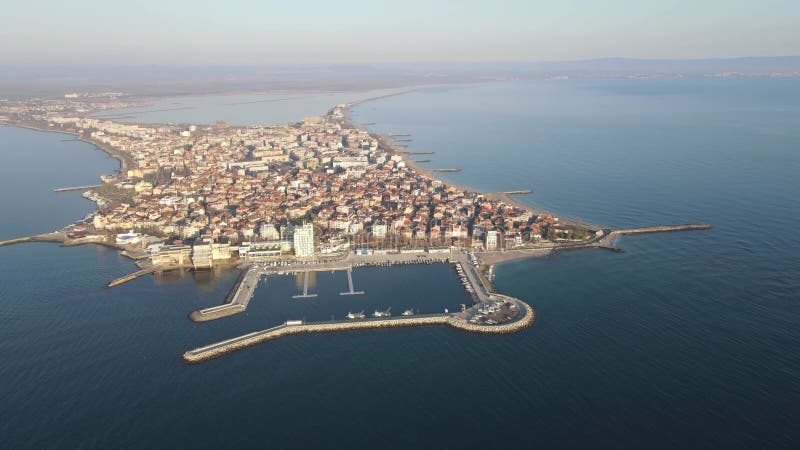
525,320
609,239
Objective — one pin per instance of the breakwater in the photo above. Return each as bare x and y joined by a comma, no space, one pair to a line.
609,239
76,188
605,241
47,237
200,354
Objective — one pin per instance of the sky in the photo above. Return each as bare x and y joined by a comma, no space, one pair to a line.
328,31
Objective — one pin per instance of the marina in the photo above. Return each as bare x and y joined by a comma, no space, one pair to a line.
490,312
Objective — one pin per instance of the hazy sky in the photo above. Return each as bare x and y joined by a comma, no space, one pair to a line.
325,31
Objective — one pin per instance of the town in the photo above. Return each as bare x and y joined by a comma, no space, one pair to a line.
320,188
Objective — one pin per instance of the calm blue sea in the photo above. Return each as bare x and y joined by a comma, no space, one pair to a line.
685,340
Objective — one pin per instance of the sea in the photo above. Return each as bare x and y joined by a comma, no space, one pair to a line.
684,340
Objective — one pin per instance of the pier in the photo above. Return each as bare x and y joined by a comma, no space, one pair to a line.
76,188
146,271
350,284
305,293
236,301
421,160
446,170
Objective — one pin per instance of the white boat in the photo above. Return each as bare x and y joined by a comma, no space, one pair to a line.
378,313
351,315
408,312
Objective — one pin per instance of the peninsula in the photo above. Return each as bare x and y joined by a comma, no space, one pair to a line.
320,194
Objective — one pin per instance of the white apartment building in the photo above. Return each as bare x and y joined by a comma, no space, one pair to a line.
491,240
304,240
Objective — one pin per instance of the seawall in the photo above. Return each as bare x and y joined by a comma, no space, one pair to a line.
200,354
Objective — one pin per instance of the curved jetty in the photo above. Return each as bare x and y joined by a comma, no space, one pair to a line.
525,319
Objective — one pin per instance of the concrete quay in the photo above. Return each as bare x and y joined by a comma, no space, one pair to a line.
236,301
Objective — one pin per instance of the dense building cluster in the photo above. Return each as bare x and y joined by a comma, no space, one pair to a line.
319,186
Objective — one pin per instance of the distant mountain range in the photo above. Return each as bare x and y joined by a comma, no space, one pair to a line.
18,81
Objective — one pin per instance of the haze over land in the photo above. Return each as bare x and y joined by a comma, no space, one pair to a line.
20,81
177,46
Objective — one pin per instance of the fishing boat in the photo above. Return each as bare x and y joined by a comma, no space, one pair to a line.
353,316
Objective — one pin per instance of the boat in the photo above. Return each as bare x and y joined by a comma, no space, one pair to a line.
386,313
351,315
408,312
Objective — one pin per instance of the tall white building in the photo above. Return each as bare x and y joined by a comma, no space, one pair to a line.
379,230
304,240
491,240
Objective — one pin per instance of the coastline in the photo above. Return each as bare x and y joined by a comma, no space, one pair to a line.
124,162
388,143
